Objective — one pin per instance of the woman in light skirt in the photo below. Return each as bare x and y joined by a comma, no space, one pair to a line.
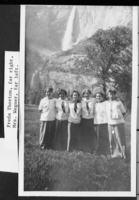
73,142
115,112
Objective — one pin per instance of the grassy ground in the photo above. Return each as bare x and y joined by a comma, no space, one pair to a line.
76,171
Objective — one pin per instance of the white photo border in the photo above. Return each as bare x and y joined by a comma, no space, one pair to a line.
131,193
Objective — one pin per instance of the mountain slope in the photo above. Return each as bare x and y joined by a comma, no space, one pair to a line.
46,61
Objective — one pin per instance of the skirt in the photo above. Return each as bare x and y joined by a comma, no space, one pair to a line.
61,134
73,142
88,136
103,147
47,132
117,140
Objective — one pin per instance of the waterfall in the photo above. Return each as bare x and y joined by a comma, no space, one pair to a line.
32,79
67,40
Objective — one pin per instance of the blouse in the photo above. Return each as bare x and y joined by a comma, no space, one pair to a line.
100,116
75,112
62,108
88,108
47,106
114,112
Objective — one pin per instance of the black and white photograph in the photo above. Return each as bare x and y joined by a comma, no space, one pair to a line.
78,107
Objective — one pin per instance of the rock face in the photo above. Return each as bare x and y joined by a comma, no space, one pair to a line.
46,26
67,71
92,18
46,29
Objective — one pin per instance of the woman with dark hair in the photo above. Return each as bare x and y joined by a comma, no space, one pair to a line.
101,125
73,141
115,113
62,109
47,126
88,135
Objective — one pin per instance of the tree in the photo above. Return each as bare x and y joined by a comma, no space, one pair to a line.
110,54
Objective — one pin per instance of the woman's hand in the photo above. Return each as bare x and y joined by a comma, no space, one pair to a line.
124,114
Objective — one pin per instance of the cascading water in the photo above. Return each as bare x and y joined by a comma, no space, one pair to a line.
67,40
32,80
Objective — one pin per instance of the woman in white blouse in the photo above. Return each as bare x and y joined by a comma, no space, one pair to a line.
101,125
73,142
47,126
88,135
62,108
115,113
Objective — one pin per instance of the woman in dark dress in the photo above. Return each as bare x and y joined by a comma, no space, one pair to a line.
62,108
88,135
101,125
73,142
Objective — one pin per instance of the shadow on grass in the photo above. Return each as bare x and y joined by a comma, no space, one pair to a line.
63,171
71,171
39,180
37,171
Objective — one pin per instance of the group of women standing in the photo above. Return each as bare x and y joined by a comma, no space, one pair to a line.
90,125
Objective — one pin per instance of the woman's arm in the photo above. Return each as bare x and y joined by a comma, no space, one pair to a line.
66,104
92,107
40,107
122,108
78,108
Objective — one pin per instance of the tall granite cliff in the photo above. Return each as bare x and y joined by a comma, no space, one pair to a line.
52,30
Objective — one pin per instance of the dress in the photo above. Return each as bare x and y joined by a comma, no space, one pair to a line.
101,127
47,125
73,142
61,133
88,134
116,128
